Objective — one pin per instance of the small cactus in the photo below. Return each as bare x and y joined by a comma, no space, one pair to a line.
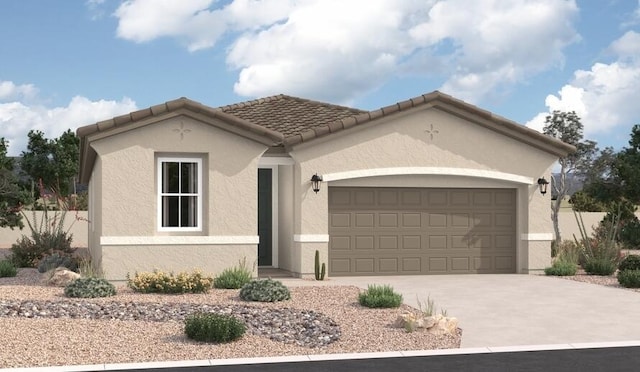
320,273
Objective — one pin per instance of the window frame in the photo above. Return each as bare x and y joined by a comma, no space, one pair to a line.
199,194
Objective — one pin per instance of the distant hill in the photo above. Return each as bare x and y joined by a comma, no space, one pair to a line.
575,184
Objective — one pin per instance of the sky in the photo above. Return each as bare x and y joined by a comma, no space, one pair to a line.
66,64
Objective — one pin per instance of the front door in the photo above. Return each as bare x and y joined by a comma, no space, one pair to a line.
264,217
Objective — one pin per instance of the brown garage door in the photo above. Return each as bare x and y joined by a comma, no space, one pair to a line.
409,231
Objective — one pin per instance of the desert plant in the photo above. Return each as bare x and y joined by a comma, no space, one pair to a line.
87,269
48,232
600,266
629,278
235,277
380,296
319,272
209,327
561,268
7,269
89,288
265,290
161,282
630,262
568,251
600,252
57,259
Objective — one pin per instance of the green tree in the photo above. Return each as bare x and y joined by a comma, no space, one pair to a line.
12,195
626,168
567,127
55,162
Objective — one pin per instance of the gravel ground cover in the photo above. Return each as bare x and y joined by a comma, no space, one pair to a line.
42,327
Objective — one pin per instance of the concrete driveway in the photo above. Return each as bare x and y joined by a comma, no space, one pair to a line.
510,310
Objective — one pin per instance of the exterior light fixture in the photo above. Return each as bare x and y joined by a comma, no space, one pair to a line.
315,182
542,184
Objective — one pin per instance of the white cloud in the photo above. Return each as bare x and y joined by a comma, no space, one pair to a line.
338,50
18,117
602,95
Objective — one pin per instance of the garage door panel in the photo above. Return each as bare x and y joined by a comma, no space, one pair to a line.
437,264
411,220
437,198
365,220
411,242
388,242
391,231
388,220
504,220
364,265
340,243
459,264
460,220
340,266
364,242
412,265
388,265
437,220
438,242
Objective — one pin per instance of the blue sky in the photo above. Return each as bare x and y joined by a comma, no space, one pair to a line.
65,64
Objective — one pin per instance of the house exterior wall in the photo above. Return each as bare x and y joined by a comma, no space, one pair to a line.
424,138
130,213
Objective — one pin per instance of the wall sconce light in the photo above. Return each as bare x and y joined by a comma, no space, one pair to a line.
542,184
315,182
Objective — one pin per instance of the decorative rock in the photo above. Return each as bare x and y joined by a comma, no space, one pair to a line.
61,276
436,324
443,325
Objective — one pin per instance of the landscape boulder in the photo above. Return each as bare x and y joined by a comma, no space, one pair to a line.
60,277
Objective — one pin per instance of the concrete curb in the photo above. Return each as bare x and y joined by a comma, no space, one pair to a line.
325,357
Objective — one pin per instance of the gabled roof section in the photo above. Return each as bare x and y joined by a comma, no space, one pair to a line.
152,114
445,103
288,115
286,121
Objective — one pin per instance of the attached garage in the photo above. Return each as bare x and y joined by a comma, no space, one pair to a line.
414,231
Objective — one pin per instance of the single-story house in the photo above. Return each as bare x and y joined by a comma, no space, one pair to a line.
430,185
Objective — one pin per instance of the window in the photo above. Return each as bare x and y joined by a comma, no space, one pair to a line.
180,194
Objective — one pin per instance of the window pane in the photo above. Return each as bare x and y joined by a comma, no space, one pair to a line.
170,177
188,211
170,211
189,177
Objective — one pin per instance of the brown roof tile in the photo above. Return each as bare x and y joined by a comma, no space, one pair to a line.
290,116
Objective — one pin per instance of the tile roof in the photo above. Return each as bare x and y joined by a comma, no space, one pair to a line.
286,121
288,115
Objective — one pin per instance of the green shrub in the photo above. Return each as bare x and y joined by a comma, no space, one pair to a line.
629,278
561,268
600,266
568,251
7,269
265,290
630,234
208,327
631,262
89,288
55,260
233,278
380,296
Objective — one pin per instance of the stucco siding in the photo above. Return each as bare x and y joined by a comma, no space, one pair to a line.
118,261
129,172
425,138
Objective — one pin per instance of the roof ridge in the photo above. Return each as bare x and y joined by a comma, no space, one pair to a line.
281,96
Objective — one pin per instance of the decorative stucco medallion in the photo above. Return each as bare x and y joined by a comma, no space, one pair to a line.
182,130
432,131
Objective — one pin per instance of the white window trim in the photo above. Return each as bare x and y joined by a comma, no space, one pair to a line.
199,194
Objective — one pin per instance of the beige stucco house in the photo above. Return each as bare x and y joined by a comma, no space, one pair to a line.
431,185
